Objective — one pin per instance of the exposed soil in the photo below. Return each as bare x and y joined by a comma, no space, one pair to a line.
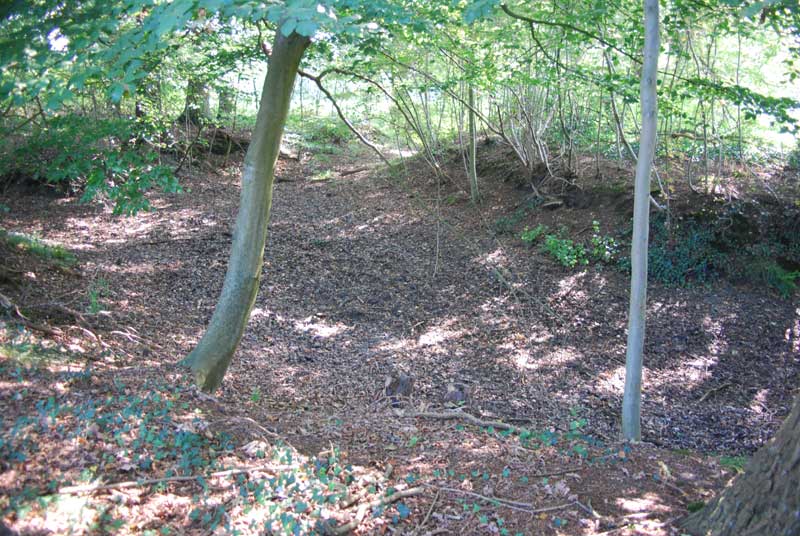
367,276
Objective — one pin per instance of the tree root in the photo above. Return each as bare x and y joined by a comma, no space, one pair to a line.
12,309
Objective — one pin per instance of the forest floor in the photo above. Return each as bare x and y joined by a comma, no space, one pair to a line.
367,276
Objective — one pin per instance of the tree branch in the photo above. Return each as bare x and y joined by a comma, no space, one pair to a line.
318,81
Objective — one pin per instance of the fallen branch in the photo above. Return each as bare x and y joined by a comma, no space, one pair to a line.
352,171
507,503
91,488
557,473
363,508
714,390
460,415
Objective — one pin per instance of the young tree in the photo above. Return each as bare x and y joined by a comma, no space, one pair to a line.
632,398
212,355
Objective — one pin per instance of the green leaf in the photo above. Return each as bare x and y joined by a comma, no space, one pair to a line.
288,27
306,28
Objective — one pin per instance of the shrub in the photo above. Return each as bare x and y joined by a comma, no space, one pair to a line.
532,235
93,156
679,253
565,251
603,248
321,134
771,274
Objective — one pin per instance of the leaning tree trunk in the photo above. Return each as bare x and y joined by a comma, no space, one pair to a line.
210,359
765,499
632,398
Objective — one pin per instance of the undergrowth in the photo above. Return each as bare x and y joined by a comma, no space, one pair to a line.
155,438
35,246
738,241
108,156
708,246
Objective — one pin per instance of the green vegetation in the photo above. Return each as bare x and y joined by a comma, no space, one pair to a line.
602,248
507,224
320,134
106,101
705,247
97,290
531,236
568,253
35,246
734,463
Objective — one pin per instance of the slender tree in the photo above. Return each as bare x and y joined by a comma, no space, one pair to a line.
212,355
632,399
474,193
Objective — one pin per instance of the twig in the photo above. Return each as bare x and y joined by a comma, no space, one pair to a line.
714,390
428,515
188,149
91,488
512,505
265,431
318,81
588,509
557,473
13,309
460,415
380,501
352,171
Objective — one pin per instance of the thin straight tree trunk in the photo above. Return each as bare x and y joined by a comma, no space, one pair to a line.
473,149
210,359
632,399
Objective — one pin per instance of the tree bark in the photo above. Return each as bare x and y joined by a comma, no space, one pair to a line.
197,109
210,359
632,398
765,499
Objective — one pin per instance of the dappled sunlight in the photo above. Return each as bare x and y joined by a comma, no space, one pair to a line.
646,504
572,285
440,333
612,381
716,328
320,328
356,230
555,359
493,259
395,345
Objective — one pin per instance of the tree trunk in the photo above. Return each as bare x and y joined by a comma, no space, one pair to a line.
474,194
197,109
632,399
765,499
227,105
210,359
